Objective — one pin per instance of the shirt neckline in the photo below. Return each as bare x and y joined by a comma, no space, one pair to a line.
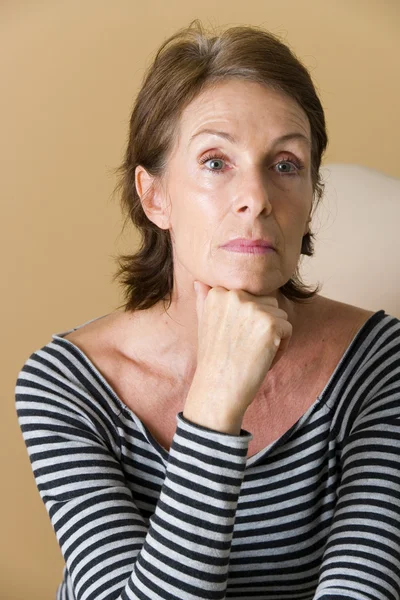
255,457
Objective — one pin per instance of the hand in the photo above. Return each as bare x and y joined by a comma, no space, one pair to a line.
240,337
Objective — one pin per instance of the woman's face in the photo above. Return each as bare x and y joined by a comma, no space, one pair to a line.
254,185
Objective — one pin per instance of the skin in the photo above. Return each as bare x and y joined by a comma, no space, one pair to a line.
251,196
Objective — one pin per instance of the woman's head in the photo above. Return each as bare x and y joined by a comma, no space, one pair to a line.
247,83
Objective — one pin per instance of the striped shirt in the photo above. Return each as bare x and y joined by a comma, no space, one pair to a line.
314,515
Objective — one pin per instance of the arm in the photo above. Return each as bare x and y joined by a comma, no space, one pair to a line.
362,555
108,549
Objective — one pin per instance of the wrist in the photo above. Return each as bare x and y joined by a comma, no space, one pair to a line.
213,410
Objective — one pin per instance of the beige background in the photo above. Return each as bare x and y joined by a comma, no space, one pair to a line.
69,72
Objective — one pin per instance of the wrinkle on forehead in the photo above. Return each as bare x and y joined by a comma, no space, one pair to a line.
228,105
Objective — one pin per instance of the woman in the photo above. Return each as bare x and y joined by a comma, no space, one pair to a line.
243,441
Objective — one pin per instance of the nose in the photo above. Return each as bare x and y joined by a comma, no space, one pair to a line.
253,194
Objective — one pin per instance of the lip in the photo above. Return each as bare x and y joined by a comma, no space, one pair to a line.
246,243
252,249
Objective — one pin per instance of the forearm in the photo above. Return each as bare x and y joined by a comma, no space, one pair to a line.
189,540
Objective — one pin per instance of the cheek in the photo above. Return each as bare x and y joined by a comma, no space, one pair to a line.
294,206
289,215
191,227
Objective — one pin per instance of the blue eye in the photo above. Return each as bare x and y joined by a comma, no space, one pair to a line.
288,161
213,157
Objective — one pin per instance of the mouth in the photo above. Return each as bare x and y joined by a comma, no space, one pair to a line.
249,248
248,243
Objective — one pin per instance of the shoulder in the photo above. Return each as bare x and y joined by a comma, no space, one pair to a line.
365,375
98,332
340,310
58,383
338,320
330,330
341,322
325,328
67,367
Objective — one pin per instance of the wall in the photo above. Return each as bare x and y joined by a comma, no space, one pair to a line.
69,72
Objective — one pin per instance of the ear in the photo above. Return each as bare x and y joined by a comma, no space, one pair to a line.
152,198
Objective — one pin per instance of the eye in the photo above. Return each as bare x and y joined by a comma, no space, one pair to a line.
286,161
215,158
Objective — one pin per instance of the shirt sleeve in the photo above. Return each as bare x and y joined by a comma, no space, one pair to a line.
109,551
362,555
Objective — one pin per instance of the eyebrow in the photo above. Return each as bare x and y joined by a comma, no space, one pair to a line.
233,140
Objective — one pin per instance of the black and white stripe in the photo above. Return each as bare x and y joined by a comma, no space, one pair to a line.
315,515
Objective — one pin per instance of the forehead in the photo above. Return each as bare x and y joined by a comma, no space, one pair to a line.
236,101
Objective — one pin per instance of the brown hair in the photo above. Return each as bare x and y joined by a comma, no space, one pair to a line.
184,65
